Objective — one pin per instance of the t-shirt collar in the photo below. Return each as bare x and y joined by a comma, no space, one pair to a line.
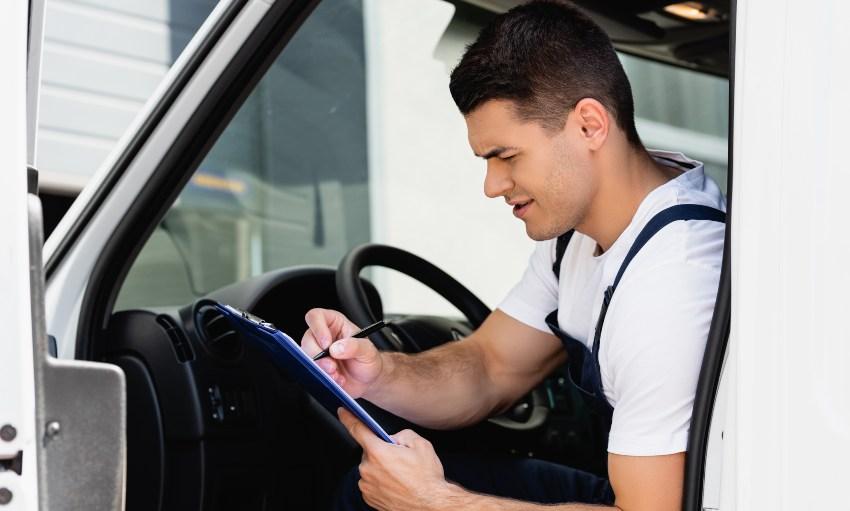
693,173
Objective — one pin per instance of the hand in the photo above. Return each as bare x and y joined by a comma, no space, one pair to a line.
407,476
354,364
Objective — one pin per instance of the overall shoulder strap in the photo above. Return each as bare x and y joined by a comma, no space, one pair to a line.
661,220
560,248
655,224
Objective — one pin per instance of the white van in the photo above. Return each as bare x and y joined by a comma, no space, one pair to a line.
289,132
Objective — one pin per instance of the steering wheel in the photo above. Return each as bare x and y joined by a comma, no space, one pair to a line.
528,413
352,294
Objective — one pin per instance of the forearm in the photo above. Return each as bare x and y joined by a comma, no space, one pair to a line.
456,497
442,388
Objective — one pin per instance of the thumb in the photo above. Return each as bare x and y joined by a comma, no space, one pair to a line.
361,350
408,438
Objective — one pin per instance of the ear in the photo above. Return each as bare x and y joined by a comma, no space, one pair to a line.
594,122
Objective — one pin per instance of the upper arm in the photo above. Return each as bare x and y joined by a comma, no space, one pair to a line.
652,483
653,353
516,346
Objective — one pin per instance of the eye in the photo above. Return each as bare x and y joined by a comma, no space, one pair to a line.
508,158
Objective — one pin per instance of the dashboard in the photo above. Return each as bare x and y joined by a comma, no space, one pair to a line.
214,425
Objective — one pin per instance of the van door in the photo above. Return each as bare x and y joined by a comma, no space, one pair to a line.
18,479
77,435
56,450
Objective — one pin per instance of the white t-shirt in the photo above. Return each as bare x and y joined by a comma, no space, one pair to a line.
657,323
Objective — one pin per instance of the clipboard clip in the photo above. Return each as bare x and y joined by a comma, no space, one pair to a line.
255,319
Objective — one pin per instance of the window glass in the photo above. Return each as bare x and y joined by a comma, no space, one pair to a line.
285,184
102,60
681,110
353,137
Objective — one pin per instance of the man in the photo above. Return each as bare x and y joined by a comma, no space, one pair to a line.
549,107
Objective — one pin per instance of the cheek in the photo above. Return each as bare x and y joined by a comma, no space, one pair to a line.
533,174
571,174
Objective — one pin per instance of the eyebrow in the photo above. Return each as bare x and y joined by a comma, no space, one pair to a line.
496,151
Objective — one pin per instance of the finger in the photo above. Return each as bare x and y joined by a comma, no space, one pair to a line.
361,350
408,438
365,491
361,434
309,345
347,328
351,424
328,365
338,324
318,327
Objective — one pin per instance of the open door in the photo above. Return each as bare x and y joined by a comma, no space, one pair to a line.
80,421
18,426
56,450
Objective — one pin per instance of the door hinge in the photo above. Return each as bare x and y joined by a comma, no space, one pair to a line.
13,464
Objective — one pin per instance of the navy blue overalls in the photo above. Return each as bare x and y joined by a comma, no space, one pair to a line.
540,481
582,363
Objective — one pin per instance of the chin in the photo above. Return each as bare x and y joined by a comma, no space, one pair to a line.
538,235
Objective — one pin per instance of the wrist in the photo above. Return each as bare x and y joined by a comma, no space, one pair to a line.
387,366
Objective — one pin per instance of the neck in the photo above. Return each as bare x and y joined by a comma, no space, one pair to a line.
625,178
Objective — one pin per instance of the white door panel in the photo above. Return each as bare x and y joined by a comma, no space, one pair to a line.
789,338
17,380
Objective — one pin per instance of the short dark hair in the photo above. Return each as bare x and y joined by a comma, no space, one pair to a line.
546,56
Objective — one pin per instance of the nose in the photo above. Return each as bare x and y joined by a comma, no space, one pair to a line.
497,181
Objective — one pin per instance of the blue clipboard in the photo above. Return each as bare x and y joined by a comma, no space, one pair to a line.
287,354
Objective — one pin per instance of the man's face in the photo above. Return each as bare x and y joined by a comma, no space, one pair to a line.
543,175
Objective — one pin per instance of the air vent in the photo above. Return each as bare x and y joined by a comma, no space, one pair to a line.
182,349
217,333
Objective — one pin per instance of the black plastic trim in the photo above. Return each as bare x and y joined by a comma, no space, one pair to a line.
32,180
141,137
179,342
187,151
718,336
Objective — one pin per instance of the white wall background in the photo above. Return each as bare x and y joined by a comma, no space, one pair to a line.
425,183
427,187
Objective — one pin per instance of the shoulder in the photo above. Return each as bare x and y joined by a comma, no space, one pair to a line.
682,245
663,310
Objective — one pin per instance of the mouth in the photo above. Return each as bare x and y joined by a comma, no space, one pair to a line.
521,208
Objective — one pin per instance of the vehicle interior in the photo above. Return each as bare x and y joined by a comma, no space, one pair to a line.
274,208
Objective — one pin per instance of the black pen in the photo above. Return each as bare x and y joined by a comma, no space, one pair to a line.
369,330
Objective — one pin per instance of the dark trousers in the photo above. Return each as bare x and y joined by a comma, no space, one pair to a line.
517,478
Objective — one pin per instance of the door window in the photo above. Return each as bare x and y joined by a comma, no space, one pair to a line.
285,184
102,60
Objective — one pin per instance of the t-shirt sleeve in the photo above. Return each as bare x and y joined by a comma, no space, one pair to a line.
658,340
536,294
